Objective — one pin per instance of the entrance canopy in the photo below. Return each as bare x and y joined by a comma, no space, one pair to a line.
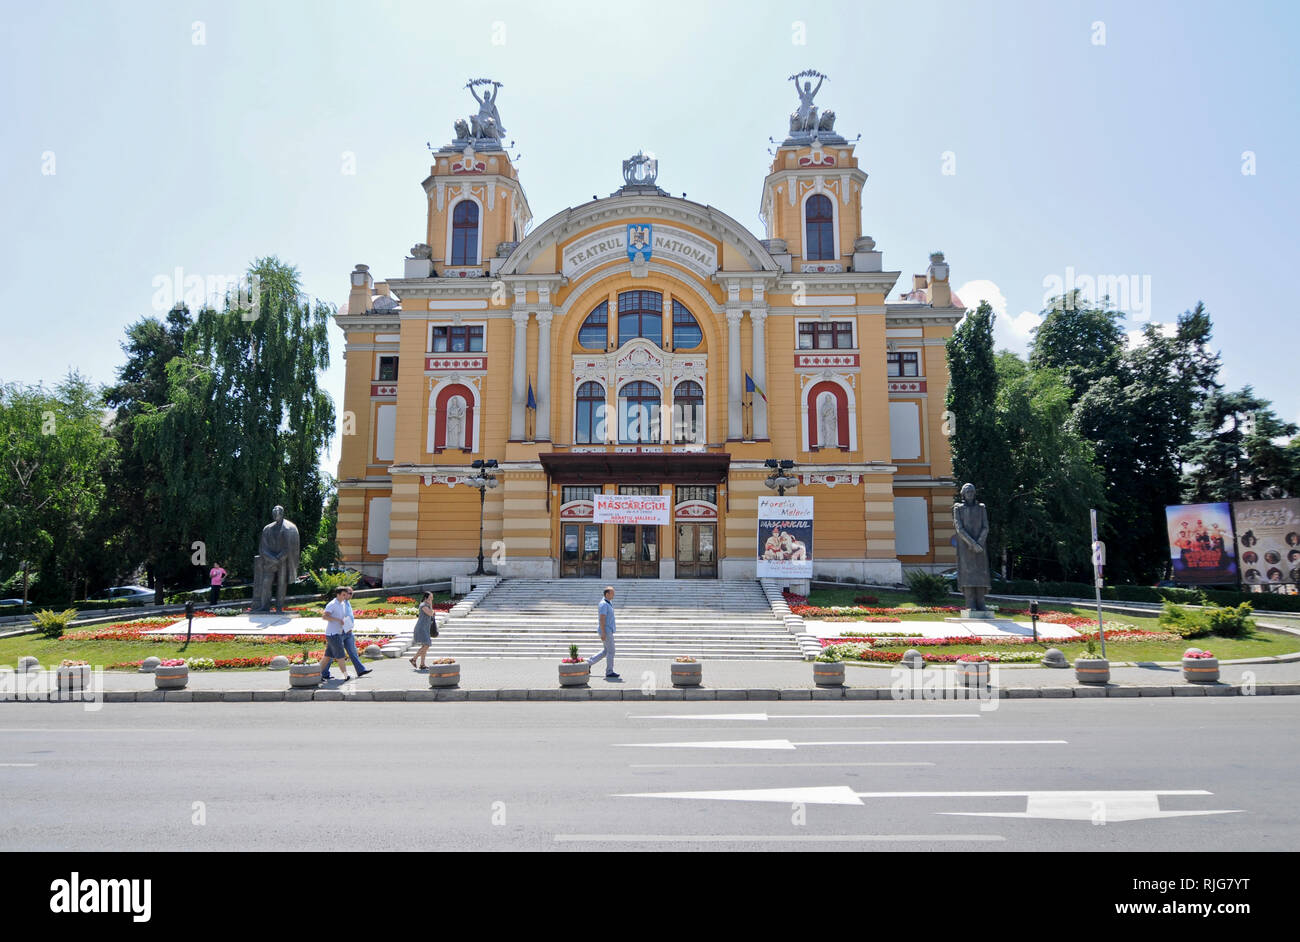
631,469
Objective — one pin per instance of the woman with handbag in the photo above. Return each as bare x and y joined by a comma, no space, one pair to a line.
426,629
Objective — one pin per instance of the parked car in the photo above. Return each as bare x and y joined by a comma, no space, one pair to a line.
5,603
128,592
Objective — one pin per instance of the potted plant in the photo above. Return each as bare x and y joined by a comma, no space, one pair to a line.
686,672
72,675
1200,667
973,670
1090,667
574,671
304,672
828,669
171,674
444,672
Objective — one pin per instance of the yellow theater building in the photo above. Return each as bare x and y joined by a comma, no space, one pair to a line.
644,344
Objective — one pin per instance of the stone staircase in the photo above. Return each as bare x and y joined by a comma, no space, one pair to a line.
656,619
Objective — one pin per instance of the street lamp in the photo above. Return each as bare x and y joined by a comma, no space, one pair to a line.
780,478
482,480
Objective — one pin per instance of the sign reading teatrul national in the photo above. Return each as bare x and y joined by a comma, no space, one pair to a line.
624,508
785,537
1268,541
1200,544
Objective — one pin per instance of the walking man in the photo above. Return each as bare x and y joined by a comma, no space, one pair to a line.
605,612
340,645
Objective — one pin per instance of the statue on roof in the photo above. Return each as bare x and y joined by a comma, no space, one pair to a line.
804,119
487,123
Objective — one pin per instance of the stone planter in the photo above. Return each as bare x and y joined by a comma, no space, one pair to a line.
687,675
171,678
828,673
304,675
73,679
973,673
914,659
1201,670
575,675
1092,670
444,675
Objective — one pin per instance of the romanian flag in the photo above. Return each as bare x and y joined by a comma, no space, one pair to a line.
751,386
532,400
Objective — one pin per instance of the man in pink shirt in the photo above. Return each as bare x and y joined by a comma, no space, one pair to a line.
218,576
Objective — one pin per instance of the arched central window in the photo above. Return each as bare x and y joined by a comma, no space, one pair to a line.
464,233
819,216
594,332
641,314
638,413
688,413
686,330
589,417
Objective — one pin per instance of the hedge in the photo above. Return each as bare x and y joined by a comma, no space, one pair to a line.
1260,601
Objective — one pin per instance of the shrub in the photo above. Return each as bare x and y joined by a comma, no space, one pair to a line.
926,587
1227,622
1184,622
52,624
327,582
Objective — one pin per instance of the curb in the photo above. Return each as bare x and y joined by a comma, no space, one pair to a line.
517,695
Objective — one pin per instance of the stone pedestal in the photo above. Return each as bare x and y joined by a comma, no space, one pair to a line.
969,613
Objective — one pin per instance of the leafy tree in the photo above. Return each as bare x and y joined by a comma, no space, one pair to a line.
979,453
323,553
1234,454
1085,343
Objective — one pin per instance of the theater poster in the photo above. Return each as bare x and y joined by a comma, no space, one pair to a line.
1268,541
785,537
1201,544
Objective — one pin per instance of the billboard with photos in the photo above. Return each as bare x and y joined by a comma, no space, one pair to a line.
1268,541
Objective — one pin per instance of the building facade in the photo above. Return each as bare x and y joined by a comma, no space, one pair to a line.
643,344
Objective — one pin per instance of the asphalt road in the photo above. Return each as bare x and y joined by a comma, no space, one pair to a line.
579,776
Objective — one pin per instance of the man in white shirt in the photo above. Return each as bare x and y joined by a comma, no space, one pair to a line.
338,632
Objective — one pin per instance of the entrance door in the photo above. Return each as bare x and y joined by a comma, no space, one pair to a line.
638,552
697,556
580,550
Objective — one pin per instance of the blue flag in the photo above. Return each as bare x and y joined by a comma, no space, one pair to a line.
532,401
751,386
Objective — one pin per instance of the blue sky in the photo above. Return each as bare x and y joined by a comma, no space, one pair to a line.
1100,139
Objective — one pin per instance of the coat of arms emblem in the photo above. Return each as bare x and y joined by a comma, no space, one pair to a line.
639,237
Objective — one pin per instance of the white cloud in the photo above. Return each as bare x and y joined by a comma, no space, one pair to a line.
1166,330
1009,333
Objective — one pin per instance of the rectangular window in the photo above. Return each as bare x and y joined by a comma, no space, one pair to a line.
388,369
578,493
708,494
903,364
826,335
639,490
463,339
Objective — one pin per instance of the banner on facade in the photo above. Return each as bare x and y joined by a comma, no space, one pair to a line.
1201,544
1268,541
785,537
625,508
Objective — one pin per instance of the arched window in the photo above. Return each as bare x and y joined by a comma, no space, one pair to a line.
641,314
688,413
589,416
594,332
464,233
819,217
686,330
638,412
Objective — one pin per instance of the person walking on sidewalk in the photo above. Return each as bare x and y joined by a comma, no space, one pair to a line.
605,612
217,575
339,612
426,629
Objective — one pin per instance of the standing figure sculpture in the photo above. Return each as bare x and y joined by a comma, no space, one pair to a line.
487,123
805,118
971,521
828,422
276,565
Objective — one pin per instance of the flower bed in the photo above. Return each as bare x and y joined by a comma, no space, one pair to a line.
1008,640
225,663
141,635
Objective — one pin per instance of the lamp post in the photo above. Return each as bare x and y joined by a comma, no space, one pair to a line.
482,480
780,478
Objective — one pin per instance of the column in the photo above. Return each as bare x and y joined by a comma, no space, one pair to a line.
518,390
757,319
735,381
542,428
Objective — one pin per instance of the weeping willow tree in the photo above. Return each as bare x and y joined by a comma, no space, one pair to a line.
243,425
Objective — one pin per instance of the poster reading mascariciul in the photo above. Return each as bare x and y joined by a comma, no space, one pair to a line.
1200,544
785,537
1268,541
